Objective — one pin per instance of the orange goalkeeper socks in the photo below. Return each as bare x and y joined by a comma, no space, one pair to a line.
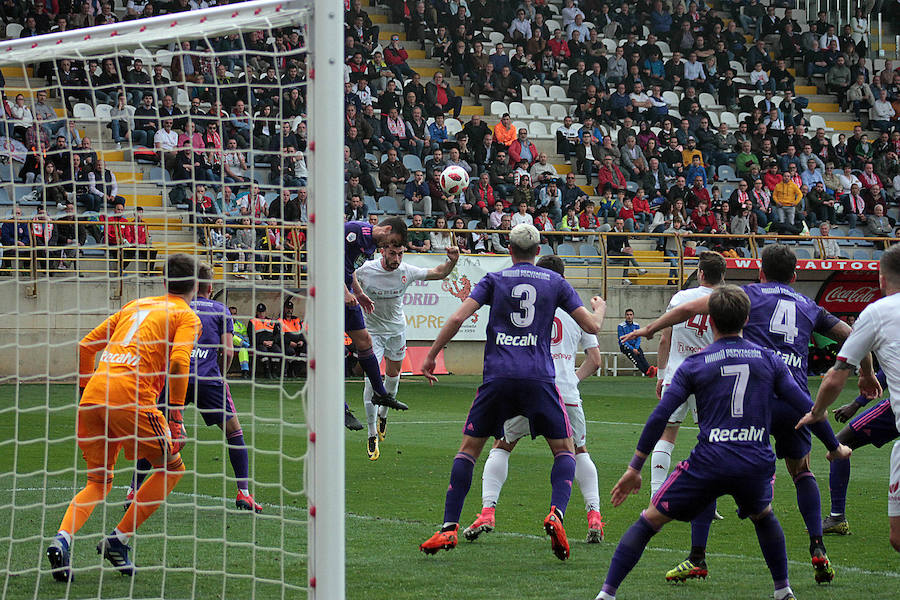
82,506
150,495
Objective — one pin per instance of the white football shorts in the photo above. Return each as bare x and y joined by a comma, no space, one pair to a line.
391,347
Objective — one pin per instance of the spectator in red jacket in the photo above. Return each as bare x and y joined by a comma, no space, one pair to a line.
609,177
772,177
118,230
703,221
522,149
395,56
559,45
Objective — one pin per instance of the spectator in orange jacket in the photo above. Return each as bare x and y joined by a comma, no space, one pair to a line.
504,132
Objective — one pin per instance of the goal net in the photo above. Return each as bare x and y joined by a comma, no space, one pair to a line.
193,132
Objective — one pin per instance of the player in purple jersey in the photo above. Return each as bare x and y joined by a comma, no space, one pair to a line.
735,383
208,389
876,426
360,242
518,377
783,321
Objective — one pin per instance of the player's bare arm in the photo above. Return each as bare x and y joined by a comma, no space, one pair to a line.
832,384
630,481
591,363
365,303
466,310
846,412
228,354
591,322
679,314
441,271
868,383
662,359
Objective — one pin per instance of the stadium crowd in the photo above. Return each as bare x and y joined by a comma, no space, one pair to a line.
226,129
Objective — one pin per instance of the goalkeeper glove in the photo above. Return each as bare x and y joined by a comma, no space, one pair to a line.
176,430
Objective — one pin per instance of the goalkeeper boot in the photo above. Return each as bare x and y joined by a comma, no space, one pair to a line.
382,428
442,540
484,523
350,421
688,570
389,401
116,553
372,448
58,555
835,525
595,527
245,501
129,498
553,525
823,569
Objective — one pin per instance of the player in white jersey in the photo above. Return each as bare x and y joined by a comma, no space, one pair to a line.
568,338
876,330
385,280
676,344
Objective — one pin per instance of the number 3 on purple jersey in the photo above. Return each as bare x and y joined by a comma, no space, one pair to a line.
526,295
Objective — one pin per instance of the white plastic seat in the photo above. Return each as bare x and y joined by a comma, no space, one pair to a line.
537,91
538,111
558,111
707,101
671,98
537,130
517,109
496,37
520,124
729,119
82,111
553,25
557,92
453,126
499,108
103,112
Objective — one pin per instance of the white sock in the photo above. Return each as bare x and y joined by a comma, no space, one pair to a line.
244,490
123,537
659,464
783,593
494,476
371,409
391,384
65,535
604,596
586,476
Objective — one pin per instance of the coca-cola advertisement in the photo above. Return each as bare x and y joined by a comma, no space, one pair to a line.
848,292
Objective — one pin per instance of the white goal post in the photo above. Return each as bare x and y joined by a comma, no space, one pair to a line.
322,24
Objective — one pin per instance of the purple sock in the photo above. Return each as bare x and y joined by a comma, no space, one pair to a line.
628,553
838,481
561,476
771,542
701,524
240,459
141,469
809,503
460,482
369,364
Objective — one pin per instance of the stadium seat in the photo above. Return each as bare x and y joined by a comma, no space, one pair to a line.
566,249
553,24
802,253
496,37
370,203
861,254
412,162
816,122
876,255
713,119
13,31
727,173
545,250
707,101
537,92
499,108
182,100
631,186
520,124
517,110
671,98
664,47
538,110
538,130
558,112
389,205
590,253
559,93
103,112
453,126
729,119
82,111
473,224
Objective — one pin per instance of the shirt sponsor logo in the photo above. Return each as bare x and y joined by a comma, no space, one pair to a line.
791,360
504,339
561,355
733,353
119,358
742,434
199,353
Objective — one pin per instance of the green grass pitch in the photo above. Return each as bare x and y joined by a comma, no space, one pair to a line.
395,503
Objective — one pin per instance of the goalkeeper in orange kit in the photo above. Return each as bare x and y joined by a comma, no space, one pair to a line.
143,346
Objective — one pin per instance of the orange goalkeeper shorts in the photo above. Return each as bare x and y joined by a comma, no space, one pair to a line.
104,430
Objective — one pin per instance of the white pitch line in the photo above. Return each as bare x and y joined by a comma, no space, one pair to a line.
511,534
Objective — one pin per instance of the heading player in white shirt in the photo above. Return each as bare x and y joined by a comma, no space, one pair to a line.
876,330
676,344
568,338
385,280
